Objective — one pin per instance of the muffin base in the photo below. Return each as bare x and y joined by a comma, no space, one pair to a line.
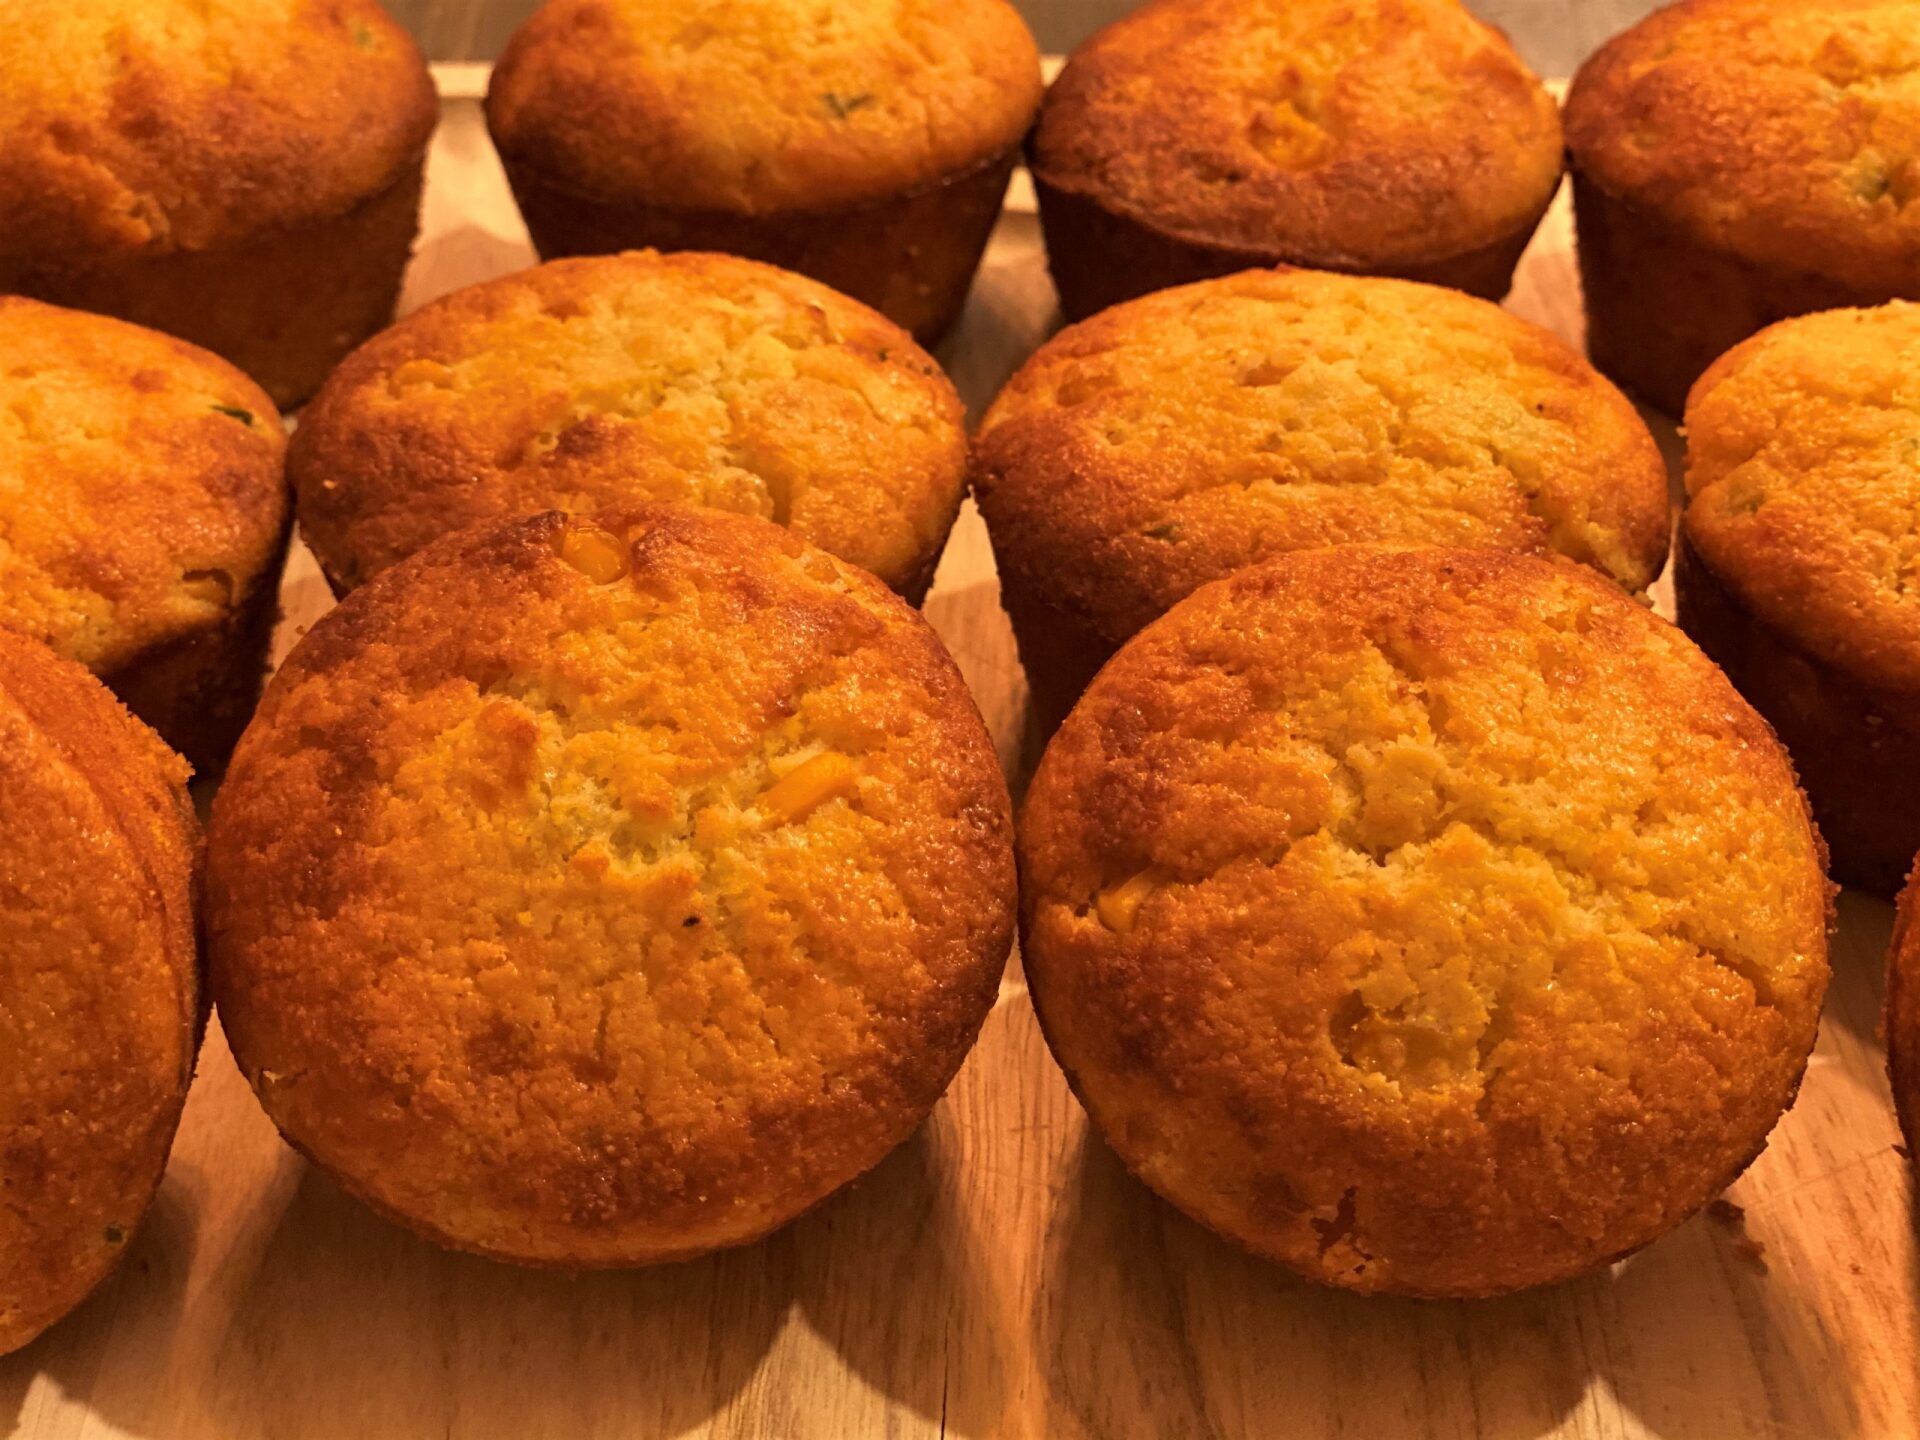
1059,653
1903,1013
199,691
1661,307
1857,750
284,306
910,256
1099,257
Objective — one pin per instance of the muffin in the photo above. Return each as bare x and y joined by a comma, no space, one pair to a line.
588,383
1184,435
1798,561
1736,162
241,173
596,892
1436,922
866,143
99,986
1903,1014
145,516
1194,138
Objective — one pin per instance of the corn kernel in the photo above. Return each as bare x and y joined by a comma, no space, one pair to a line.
1119,905
419,372
595,554
796,793
208,587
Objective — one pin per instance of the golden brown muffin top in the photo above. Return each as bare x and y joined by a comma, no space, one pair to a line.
594,382
158,125
1433,921
1172,439
595,891
141,491
762,105
1803,478
1376,133
1788,134
99,992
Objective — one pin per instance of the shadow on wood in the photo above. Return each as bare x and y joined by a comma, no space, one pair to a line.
149,1285
408,1340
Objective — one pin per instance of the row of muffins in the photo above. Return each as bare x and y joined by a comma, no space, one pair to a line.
246,174
401,720
685,834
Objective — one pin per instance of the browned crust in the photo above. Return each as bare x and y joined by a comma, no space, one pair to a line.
1662,307
1159,118
198,692
1218,1036
1800,457
143,465
863,452
430,1090
1099,256
759,107
102,847
220,124
1903,1013
1857,749
1764,131
911,256
1107,467
283,304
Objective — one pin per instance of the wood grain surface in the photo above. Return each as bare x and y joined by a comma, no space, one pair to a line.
1000,1275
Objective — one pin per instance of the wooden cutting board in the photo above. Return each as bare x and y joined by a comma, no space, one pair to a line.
1000,1275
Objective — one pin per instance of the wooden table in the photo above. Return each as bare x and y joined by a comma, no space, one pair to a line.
1000,1275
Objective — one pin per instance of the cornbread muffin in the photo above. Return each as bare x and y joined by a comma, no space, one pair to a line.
595,892
144,516
1799,566
1431,921
1737,162
1903,1014
99,987
587,383
1180,436
866,143
242,173
1193,138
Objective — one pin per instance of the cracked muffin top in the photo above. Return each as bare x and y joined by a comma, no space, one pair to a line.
586,383
141,493
762,105
99,984
1173,439
1803,478
1379,133
1786,134
600,891
157,125
1438,922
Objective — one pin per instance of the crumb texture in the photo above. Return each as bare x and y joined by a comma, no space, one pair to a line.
1379,133
1803,478
140,484
1432,921
602,891
762,105
143,126
595,382
98,988
1176,438
1788,135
